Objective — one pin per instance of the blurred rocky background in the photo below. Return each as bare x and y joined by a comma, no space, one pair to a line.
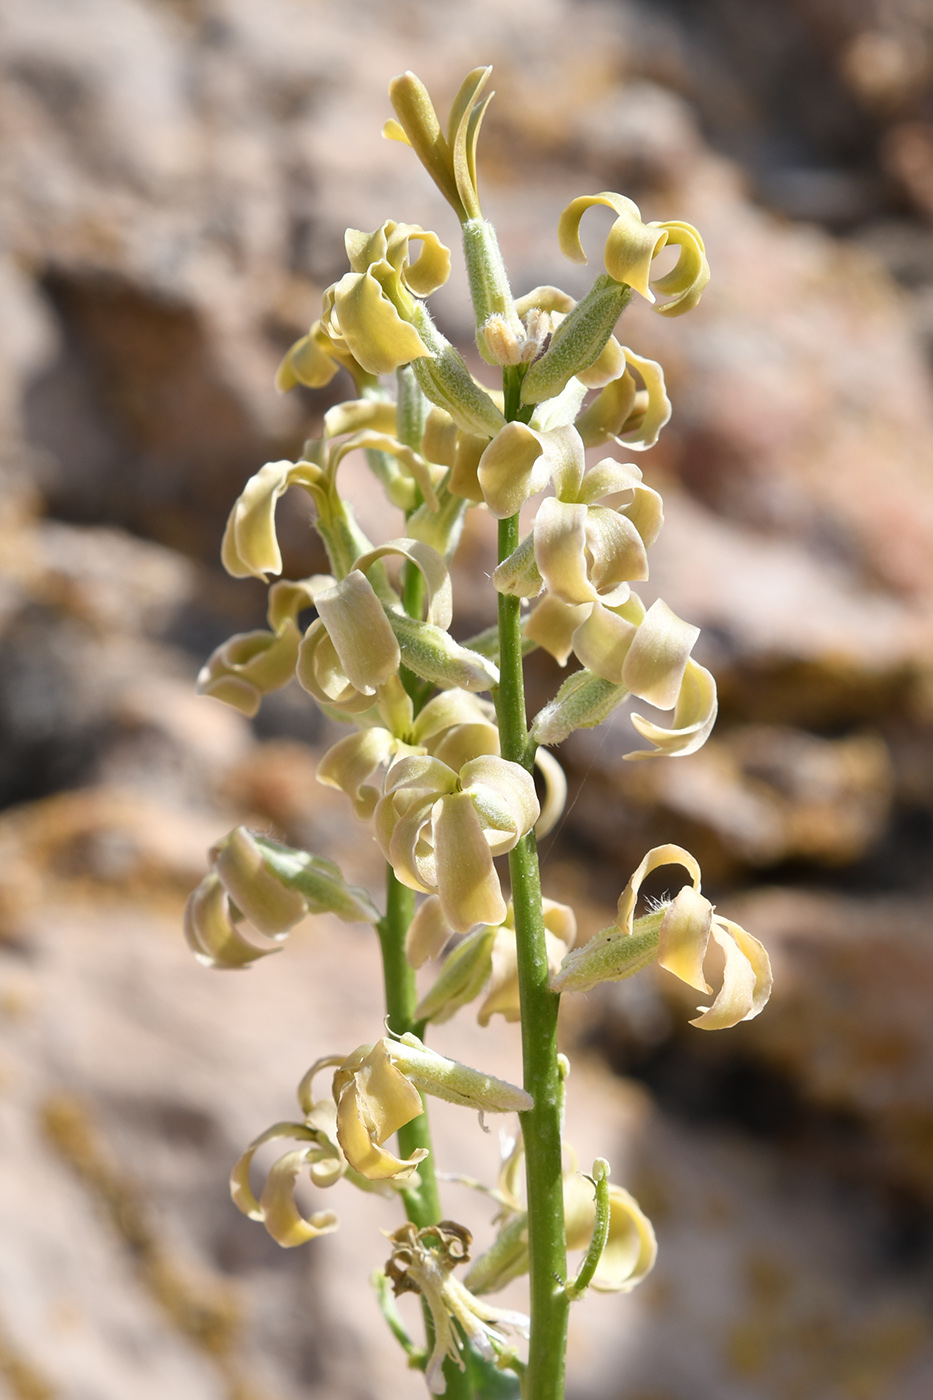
175,179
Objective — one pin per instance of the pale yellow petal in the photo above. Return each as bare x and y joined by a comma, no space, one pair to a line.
348,764
509,470
684,937
657,659
694,717
360,631
269,905
467,882
375,333
657,856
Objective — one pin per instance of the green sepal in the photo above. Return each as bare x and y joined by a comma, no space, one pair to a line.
578,341
320,882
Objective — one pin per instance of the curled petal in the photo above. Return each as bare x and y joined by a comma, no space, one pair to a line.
351,761
427,934
411,464
276,1207
249,547
609,478
607,367
360,631
210,931
602,642
560,931
511,469
657,659
467,882
378,415
555,792
280,1215
371,327
587,554
320,672
374,1100
463,742
450,708
552,625
422,774
433,569
694,717
657,856
247,666
746,982
289,597
439,438
630,246
269,905
687,280
684,937
308,362
655,413
503,792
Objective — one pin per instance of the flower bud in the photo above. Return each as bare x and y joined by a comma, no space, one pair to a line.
578,341
583,701
444,378
211,932
448,1079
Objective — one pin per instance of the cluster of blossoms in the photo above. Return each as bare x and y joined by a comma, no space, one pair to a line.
445,775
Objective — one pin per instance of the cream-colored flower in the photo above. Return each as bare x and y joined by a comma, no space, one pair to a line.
625,412
583,552
314,359
250,547
632,246
625,650
454,726
368,312
440,830
251,664
422,1261
319,1153
378,1090
361,637
374,1100
677,936
272,887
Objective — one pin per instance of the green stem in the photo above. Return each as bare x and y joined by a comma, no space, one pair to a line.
422,1204
541,1126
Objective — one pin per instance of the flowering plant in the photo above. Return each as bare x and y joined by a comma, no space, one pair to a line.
446,776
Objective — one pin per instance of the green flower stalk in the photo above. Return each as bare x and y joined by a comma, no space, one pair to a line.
439,758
